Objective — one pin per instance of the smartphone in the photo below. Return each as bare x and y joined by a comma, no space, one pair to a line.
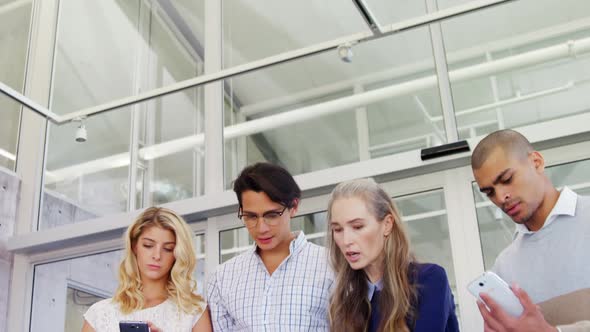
498,290
131,326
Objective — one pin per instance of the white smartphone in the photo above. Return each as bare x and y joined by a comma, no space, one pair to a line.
133,326
498,290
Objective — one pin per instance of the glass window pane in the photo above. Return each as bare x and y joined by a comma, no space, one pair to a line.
253,30
320,112
96,274
15,18
524,63
64,290
85,180
171,150
497,229
94,61
389,12
153,47
425,216
78,302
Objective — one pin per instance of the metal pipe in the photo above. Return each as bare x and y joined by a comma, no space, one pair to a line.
27,102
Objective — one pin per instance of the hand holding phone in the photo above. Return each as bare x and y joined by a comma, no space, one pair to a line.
133,326
498,290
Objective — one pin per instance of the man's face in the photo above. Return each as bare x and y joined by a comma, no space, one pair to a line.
273,232
514,185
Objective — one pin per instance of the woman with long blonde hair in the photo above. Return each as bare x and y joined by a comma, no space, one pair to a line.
379,284
155,279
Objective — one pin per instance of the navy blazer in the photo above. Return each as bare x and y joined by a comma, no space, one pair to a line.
435,310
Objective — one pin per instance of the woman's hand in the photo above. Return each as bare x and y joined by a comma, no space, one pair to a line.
153,328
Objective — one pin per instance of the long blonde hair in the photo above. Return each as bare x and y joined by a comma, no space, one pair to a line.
350,309
181,285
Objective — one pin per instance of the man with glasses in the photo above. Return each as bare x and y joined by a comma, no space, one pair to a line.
283,282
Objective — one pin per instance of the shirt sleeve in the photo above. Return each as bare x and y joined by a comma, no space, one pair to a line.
92,314
582,326
220,317
436,307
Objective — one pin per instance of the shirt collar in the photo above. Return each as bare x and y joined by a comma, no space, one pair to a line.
294,247
565,205
372,287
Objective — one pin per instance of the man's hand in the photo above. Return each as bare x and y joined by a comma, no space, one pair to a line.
497,320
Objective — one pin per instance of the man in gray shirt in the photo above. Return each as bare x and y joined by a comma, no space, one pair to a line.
550,252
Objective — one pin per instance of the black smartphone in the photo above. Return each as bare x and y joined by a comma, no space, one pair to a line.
131,326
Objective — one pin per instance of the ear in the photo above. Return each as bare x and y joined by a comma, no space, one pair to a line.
388,225
538,161
294,208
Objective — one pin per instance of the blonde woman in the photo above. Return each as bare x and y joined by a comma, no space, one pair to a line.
155,279
379,285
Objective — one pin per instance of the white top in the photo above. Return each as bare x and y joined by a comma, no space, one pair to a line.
243,296
104,316
553,260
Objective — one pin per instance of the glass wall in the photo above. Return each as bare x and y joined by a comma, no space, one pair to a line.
497,229
525,63
64,290
15,22
154,46
321,112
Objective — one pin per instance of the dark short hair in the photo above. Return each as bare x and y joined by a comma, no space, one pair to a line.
510,141
273,180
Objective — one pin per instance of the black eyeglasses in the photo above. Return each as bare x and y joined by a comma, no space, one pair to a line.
271,218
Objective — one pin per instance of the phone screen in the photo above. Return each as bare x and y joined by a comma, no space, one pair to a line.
131,326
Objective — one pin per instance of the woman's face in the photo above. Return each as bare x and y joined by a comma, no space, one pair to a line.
359,235
154,251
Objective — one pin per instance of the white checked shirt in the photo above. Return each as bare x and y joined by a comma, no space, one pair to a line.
243,296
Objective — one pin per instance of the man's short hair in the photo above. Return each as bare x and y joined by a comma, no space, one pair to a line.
273,180
508,140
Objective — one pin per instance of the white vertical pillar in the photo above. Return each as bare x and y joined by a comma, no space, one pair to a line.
213,130
214,165
212,246
465,242
142,53
198,152
362,128
31,153
442,73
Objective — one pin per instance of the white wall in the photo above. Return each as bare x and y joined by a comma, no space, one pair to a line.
9,193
